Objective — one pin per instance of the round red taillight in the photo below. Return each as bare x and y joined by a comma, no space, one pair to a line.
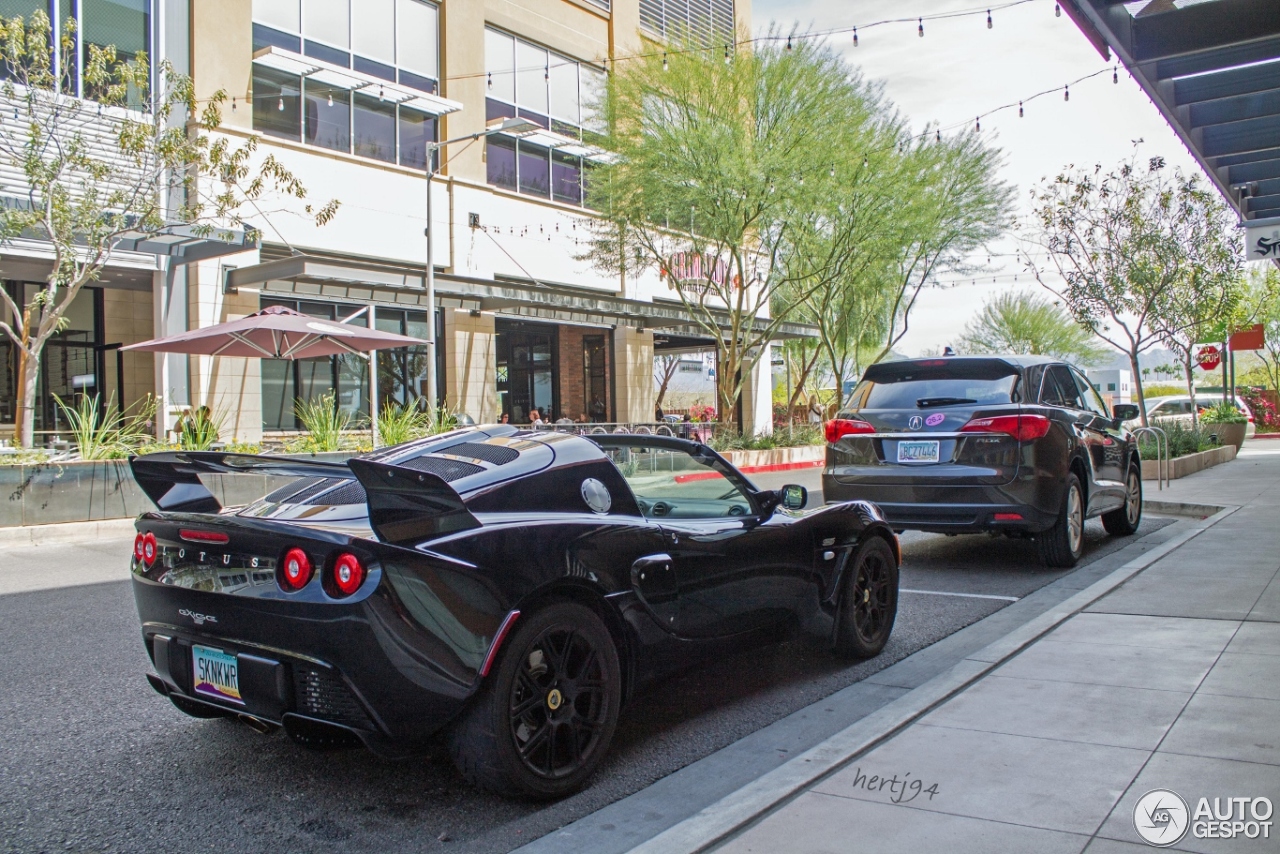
348,574
137,546
295,569
149,548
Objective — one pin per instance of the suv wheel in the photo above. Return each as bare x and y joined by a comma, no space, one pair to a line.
1124,521
1063,544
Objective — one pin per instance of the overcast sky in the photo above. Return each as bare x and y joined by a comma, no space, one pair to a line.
960,69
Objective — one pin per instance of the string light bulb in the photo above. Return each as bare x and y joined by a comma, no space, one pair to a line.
233,105
1020,113
989,21
937,135
1057,10
330,99
280,105
1115,74
865,162
788,42
490,81
546,72
977,124
665,66
1066,92
833,170
920,26
855,36
726,53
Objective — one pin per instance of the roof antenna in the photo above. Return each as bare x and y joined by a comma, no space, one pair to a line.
947,351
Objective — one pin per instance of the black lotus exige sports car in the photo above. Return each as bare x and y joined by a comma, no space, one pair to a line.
511,588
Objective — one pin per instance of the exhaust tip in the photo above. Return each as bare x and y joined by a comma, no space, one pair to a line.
256,724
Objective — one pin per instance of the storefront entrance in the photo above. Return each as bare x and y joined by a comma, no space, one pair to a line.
526,375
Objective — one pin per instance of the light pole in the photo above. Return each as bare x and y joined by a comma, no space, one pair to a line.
515,127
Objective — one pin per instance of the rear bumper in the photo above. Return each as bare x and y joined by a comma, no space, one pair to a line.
952,509
338,670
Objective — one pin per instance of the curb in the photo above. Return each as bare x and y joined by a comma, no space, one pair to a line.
740,810
807,464
65,532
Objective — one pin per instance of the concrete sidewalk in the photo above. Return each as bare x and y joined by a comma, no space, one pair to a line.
1163,676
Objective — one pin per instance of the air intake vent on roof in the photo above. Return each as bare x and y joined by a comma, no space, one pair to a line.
319,486
350,492
293,487
498,455
441,467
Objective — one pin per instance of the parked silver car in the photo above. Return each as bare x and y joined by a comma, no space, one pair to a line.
1177,408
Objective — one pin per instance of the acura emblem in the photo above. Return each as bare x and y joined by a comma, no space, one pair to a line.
915,422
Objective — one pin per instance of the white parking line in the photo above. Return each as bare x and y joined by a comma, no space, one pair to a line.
963,595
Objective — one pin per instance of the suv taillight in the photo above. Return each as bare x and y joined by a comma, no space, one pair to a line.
1021,427
839,427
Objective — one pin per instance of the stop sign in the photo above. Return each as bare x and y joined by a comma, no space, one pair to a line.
1209,357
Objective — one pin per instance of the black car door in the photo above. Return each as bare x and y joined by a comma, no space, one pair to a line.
733,567
1107,447
1060,390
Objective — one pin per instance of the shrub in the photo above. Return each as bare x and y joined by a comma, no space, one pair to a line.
1223,413
1264,413
325,424
1183,439
113,434
198,429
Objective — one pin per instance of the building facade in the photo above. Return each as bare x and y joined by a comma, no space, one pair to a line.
352,97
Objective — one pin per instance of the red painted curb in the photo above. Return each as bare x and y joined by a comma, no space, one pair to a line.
807,464
1265,436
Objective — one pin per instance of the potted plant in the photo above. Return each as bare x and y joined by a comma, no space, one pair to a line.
1228,422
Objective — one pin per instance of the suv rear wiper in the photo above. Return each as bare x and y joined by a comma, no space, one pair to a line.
926,402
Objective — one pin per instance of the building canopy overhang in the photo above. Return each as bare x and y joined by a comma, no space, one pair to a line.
361,280
1212,67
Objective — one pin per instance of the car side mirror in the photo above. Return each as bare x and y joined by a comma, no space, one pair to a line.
1124,411
794,497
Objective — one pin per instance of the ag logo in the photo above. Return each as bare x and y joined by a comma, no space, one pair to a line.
1161,817
915,422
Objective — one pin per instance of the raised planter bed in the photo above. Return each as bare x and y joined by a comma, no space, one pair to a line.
778,459
49,493
1191,463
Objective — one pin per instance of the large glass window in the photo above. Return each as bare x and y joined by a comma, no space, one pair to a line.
126,24
395,40
277,103
375,128
554,91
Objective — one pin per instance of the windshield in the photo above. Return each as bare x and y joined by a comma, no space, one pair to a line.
911,393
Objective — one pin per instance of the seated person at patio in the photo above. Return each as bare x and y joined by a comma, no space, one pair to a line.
535,418
504,418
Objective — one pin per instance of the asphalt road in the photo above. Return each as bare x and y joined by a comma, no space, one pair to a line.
91,759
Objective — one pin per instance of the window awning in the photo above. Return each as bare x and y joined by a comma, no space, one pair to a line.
186,244
1213,70
567,144
351,279
339,77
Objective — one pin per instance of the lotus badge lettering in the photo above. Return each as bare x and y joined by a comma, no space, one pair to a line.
200,619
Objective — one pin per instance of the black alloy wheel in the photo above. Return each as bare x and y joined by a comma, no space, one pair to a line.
869,604
1125,520
1063,544
544,719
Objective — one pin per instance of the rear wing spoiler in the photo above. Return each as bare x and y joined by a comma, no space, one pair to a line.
405,506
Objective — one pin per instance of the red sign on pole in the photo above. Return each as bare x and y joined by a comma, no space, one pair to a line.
1253,338
1209,357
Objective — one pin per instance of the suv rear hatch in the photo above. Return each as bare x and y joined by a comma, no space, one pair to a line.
925,421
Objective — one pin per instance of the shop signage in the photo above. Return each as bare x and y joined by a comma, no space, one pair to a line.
1262,242
696,271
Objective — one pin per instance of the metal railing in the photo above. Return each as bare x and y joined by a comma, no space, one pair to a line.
1162,453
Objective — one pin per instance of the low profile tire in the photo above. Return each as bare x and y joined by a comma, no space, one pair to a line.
1125,520
1062,545
869,601
544,718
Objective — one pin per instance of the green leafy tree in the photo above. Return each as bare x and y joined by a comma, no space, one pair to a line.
1264,301
133,162
1026,323
1126,246
732,164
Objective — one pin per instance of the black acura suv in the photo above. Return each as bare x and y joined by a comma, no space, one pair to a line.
1020,445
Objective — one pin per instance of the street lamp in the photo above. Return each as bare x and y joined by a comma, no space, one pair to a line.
515,127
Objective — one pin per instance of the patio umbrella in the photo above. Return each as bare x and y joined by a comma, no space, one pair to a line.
277,332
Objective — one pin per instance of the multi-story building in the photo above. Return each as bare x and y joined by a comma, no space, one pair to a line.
353,97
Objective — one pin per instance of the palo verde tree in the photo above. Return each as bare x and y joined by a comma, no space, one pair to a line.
135,160
720,166
1264,297
1125,245
1027,323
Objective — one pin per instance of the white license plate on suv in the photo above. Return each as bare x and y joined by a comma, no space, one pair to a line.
915,451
